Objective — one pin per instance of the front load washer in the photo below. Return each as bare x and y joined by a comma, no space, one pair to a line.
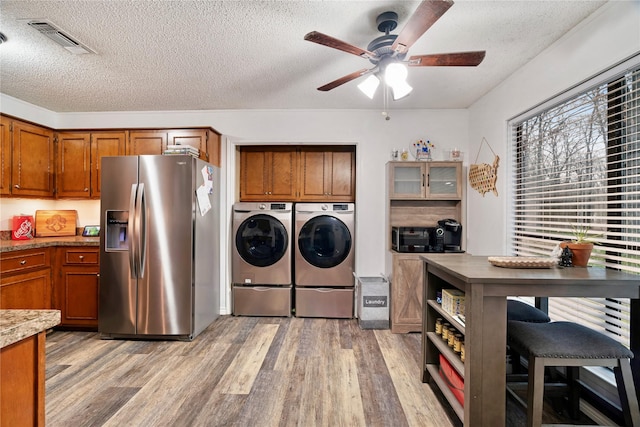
262,258
324,259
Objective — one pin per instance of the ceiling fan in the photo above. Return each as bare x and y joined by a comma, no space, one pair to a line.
388,52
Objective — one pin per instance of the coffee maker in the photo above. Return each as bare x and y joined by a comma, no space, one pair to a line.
452,235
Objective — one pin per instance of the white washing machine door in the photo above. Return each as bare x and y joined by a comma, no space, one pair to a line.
262,240
324,241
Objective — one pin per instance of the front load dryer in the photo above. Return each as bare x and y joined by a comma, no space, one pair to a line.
324,259
262,258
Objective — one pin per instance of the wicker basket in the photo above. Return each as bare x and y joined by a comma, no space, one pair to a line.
523,261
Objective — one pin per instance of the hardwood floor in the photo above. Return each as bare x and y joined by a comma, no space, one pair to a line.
245,371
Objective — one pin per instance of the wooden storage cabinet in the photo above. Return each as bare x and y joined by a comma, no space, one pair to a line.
25,281
22,391
406,293
268,174
425,180
5,156
327,174
28,166
297,173
420,195
141,142
79,161
77,286
155,141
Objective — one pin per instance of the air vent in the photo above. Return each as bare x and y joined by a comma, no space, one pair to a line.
58,36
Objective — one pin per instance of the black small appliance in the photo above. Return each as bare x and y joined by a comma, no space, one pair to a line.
452,235
410,239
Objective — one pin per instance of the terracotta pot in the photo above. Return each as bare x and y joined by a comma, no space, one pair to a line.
581,252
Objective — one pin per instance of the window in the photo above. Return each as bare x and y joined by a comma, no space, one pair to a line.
576,161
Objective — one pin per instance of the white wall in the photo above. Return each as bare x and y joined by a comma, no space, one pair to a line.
373,136
607,37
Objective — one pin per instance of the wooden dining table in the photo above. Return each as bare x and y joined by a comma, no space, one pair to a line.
486,288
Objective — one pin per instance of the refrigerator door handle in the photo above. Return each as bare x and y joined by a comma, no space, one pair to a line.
131,232
141,229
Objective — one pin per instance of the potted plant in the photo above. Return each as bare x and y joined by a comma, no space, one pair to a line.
581,245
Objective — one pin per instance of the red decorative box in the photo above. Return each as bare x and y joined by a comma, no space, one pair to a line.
452,378
22,228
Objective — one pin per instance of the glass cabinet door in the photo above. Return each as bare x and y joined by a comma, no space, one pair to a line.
407,180
443,181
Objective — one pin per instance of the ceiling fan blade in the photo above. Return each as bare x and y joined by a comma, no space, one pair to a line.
329,41
427,13
460,59
342,80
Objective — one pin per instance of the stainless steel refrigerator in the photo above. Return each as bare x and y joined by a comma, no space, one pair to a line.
159,257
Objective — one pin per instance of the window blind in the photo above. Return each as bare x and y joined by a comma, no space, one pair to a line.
575,164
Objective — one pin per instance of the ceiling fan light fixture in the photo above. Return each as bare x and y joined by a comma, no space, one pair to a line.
369,86
395,73
400,90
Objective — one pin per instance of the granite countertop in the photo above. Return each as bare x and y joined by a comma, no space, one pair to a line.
16,325
43,242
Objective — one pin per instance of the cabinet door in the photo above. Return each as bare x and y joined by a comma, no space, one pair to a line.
26,291
253,178
406,294
74,165
444,181
104,144
146,142
342,176
32,160
5,156
282,171
313,177
327,175
196,138
78,293
407,180
268,174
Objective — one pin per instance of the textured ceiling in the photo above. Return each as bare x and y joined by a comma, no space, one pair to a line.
208,55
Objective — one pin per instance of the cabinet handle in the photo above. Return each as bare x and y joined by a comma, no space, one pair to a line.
23,262
16,186
86,189
428,180
81,257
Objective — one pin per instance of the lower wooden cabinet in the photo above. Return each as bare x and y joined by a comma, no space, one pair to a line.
77,286
22,372
25,281
407,284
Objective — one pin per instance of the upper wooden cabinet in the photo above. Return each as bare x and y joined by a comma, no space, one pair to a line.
268,173
425,180
155,142
79,161
327,174
146,142
297,173
32,156
5,156
27,157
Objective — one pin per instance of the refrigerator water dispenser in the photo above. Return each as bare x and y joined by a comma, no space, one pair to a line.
116,232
